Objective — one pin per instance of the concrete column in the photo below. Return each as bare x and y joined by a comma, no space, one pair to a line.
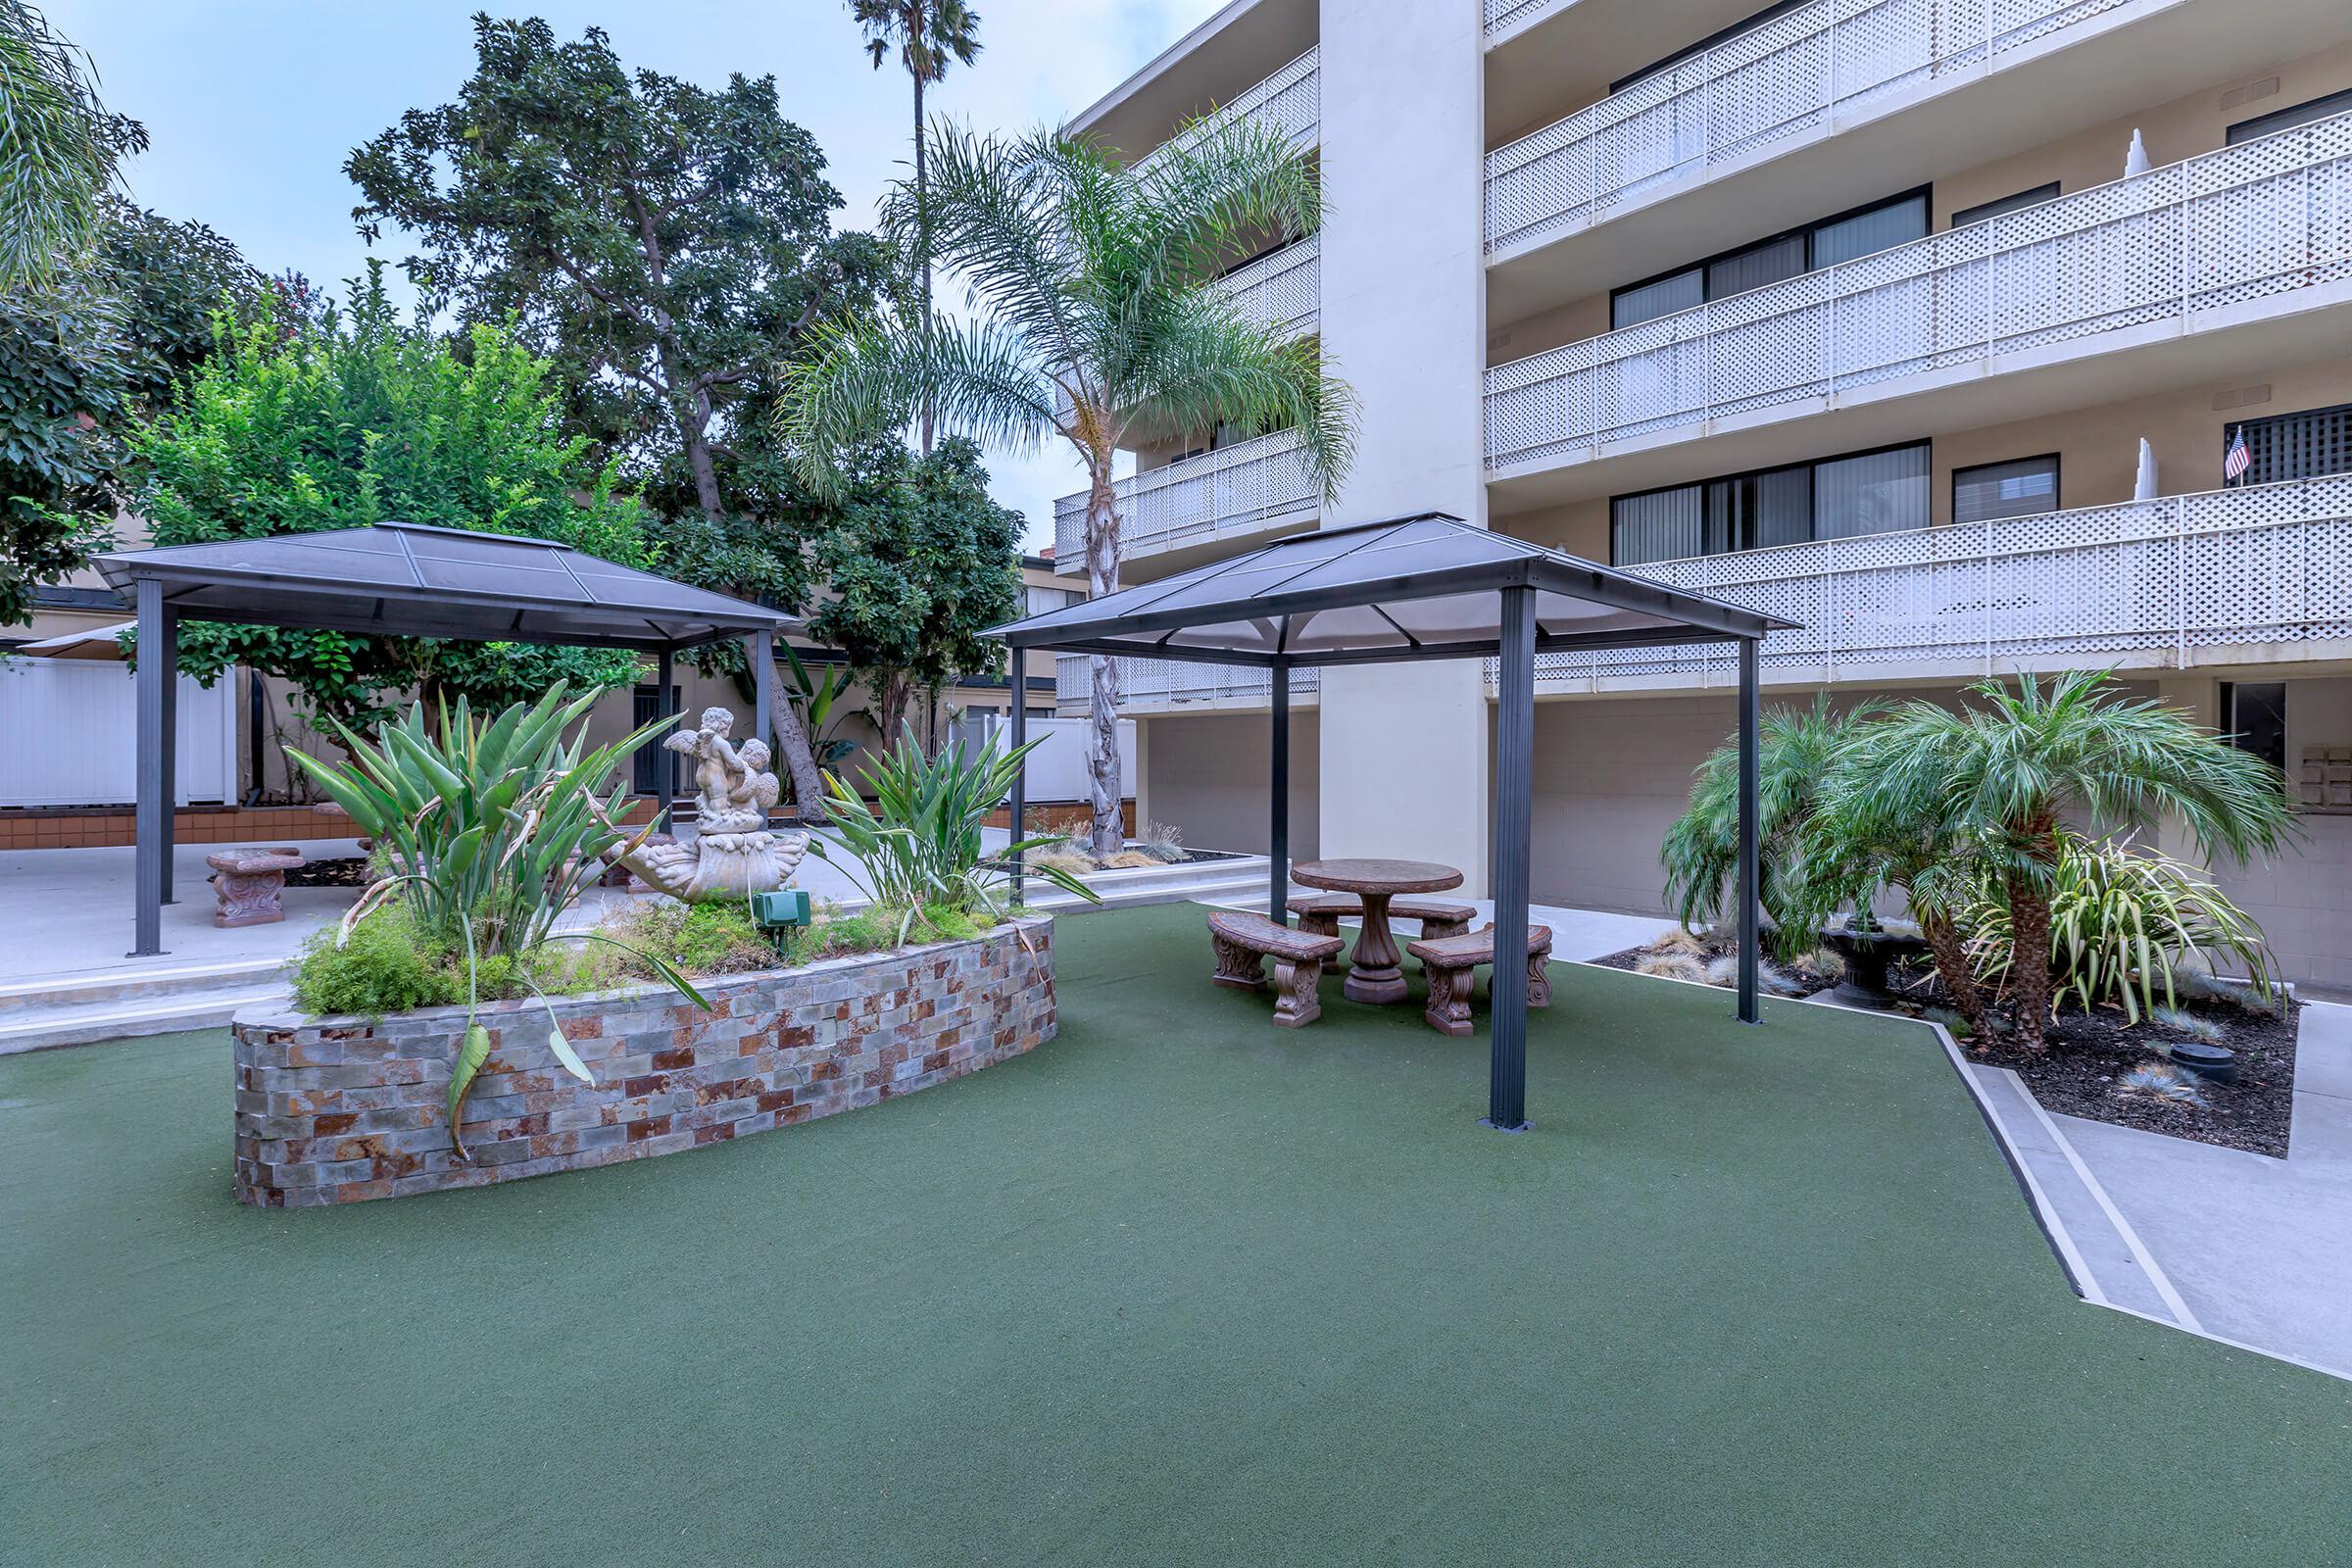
1407,748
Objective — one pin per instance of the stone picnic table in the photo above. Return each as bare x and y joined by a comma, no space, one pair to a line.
1373,972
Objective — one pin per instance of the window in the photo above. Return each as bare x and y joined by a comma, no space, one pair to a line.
2311,444
2254,718
645,779
2278,120
1041,599
1784,256
2007,204
1835,498
2019,488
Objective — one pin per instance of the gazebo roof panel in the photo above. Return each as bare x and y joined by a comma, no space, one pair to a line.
1421,585
407,579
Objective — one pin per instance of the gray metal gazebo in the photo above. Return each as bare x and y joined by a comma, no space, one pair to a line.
401,579
1427,586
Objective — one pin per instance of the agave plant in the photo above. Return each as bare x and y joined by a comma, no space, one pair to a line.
920,843
494,829
2121,922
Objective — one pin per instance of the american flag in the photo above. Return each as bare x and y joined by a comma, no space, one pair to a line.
2239,459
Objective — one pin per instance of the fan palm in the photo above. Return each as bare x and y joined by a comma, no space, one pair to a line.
1701,850
1095,320
1998,780
55,158
929,33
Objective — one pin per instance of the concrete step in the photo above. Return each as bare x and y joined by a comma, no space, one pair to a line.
42,1026
131,984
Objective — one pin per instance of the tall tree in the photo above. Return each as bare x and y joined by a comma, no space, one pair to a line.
82,355
928,33
664,244
920,564
58,147
1098,323
360,418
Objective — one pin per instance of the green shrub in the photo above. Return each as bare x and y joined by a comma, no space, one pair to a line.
695,939
2123,921
385,966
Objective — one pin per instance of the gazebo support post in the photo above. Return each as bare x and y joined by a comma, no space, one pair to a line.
1020,774
1749,932
664,770
158,672
1515,828
1277,784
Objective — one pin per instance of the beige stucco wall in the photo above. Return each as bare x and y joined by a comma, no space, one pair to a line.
1205,774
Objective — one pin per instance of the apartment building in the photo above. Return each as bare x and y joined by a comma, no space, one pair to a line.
1930,325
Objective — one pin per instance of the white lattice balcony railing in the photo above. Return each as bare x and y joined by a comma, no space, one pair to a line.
1290,101
1163,685
1777,81
1241,489
1283,289
2263,219
1502,15
2149,583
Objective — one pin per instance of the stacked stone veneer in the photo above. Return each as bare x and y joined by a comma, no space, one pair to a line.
339,1110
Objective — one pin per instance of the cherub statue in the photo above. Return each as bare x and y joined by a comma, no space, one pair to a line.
733,854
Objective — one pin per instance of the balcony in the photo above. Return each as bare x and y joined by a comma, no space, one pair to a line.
1168,686
2161,585
1290,100
2255,231
1282,290
1801,72
1243,489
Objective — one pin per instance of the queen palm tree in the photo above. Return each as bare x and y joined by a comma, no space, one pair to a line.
56,146
1997,781
929,33
1094,320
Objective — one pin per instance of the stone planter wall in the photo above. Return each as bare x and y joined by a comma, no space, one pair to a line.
340,1109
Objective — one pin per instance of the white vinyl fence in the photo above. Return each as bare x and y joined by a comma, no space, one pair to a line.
72,735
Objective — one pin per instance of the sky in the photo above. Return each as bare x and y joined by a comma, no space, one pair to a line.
252,105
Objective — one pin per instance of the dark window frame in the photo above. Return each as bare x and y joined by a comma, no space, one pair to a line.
2341,102
2230,428
2017,202
1925,194
2232,735
2055,460
1812,468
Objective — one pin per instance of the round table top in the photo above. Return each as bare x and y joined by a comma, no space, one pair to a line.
1376,876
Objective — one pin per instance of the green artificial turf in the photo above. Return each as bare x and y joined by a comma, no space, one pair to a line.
1177,1288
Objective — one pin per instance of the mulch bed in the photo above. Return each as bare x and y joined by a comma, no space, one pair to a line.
342,871
2081,1070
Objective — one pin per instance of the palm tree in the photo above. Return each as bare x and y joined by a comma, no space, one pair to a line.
1998,780
929,33
1094,320
56,146
1701,850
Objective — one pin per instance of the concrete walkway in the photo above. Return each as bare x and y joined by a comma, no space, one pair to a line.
2220,1242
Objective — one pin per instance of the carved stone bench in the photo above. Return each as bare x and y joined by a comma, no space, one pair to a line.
1320,916
248,884
1452,963
1243,941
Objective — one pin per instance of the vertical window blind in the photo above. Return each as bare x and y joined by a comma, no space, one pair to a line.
2015,489
1870,492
